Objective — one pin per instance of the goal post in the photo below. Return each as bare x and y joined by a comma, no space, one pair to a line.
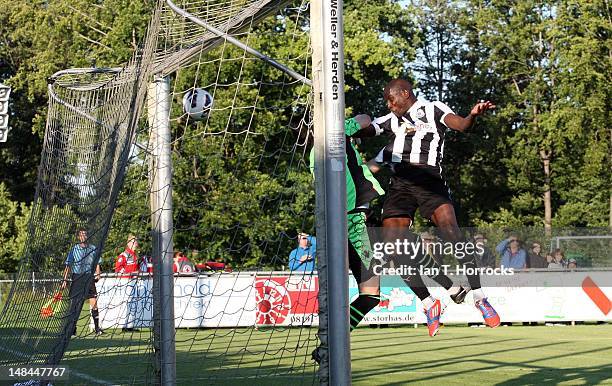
160,172
240,177
330,212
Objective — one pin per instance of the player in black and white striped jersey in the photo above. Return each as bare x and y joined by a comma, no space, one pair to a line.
415,153
418,135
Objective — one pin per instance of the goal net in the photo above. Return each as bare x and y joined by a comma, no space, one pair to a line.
241,193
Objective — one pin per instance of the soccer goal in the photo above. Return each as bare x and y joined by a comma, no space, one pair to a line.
198,149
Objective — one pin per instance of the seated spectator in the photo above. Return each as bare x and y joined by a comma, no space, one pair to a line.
486,259
572,264
127,261
302,258
558,260
512,255
535,258
182,264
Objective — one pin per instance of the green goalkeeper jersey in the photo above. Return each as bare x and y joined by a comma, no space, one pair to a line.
361,186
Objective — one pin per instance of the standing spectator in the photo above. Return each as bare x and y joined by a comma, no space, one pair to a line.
182,264
127,261
80,264
486,259
302,258
558,260
535,258
512,255
146,264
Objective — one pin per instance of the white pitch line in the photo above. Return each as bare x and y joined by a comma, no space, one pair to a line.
70,371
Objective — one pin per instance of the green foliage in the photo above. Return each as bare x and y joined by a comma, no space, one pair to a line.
380,39
13,230
39,38
545,63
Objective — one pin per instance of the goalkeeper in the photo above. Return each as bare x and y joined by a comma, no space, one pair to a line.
361,188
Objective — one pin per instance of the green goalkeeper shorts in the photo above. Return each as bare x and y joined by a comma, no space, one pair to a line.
360,249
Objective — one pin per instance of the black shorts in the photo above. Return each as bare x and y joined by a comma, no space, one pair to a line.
414,187
83,283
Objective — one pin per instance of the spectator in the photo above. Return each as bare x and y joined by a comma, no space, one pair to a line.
572,264
558,260
512,255
486,259
535,258
146,264
127,261
549,259
302,258
182,264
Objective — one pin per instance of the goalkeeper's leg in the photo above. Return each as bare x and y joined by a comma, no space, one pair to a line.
361,265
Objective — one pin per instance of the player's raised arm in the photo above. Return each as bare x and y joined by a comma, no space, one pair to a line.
460,123
361,126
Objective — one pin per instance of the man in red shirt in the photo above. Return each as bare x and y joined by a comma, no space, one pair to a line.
127,261
182,264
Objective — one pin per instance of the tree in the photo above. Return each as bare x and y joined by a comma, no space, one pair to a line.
76,34
13,230
544,98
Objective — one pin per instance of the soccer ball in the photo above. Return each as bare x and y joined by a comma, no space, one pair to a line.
197,103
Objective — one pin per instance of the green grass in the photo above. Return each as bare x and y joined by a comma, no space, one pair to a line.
516,355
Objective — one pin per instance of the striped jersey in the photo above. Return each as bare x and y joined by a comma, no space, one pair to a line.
81,259
417,137
361,186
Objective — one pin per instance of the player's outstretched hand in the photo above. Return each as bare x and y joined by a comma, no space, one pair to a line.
481,107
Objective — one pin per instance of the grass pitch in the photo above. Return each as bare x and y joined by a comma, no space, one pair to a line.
515,355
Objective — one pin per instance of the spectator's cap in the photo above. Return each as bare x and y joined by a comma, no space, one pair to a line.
479,236
303,235
131,237
572,260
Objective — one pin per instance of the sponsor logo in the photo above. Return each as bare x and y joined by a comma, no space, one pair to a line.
287,300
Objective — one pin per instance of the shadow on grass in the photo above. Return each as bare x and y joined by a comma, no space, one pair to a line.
549,376
474,368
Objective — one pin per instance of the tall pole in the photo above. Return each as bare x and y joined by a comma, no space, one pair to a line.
162,228
330,155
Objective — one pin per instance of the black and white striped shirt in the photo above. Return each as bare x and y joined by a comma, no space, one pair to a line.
417,137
